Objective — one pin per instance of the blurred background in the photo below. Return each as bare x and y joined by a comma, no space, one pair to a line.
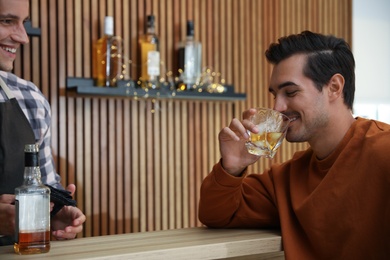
371,41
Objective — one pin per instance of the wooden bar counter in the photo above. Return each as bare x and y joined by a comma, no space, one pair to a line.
188,243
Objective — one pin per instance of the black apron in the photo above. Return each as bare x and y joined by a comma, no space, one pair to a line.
15,132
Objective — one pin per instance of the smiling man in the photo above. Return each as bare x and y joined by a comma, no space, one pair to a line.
331,201
12,33
25,119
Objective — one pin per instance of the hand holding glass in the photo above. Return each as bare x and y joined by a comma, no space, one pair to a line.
272,127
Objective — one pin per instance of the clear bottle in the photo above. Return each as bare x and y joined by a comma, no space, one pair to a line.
32,204
106,61
190,60
150,55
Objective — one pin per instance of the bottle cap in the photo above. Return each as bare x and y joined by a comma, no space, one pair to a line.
109,25
190,28
31,148
150,21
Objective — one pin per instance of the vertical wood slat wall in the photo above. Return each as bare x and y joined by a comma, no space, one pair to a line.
138,164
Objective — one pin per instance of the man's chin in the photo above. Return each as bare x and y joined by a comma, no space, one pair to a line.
291,138
7,68
6,63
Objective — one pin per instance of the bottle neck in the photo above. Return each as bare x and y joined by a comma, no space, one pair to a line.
190,38
190,30
150,25
150,30
32,175
32,172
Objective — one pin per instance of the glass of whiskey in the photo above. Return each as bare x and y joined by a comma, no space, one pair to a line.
272,127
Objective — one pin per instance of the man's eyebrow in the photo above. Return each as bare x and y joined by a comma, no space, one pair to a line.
9,16
283,85
12,16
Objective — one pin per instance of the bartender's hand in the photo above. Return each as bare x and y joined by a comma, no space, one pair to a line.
7,214
235,157
68,221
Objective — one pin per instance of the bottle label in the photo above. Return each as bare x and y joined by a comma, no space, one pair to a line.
33,212
153,63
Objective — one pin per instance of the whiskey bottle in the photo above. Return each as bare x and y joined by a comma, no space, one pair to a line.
32,204
190,60
150,55
106,61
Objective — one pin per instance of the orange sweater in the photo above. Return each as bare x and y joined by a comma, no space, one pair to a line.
336,208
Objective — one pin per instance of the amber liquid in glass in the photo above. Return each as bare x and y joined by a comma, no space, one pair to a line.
265,143
266,140
33,243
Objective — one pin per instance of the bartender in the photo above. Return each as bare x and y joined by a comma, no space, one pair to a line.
25,119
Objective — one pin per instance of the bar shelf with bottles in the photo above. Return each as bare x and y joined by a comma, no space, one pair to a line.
109,68
131,89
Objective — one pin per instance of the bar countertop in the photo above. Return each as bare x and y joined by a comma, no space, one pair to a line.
187,243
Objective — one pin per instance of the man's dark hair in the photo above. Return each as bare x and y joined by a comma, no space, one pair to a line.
326,56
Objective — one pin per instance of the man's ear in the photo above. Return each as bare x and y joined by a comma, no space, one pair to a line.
336,86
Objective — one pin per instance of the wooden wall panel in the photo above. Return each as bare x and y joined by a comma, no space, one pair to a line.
138,163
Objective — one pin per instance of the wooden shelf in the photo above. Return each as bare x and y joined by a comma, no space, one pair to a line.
84,86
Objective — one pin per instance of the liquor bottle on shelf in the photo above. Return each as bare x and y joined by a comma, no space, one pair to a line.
32,204
150,56
190,60
106,57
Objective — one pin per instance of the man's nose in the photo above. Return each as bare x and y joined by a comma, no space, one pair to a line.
20,35
280,104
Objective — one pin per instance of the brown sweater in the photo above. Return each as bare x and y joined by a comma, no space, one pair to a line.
336,208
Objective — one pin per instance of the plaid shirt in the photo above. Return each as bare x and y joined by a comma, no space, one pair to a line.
37,110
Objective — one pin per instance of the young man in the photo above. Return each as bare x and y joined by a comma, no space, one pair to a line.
331,201
24,118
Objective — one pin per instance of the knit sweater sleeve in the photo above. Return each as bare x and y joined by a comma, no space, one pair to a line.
237,202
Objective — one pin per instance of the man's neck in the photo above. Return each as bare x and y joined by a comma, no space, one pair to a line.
331,137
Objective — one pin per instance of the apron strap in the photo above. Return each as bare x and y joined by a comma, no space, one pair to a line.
6,89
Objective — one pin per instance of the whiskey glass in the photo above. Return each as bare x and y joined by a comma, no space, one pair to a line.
272,126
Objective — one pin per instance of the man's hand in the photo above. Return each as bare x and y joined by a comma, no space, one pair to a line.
7,215
235,157
68,221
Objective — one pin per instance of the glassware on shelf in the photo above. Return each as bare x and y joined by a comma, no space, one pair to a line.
107,60
190,60
150,56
